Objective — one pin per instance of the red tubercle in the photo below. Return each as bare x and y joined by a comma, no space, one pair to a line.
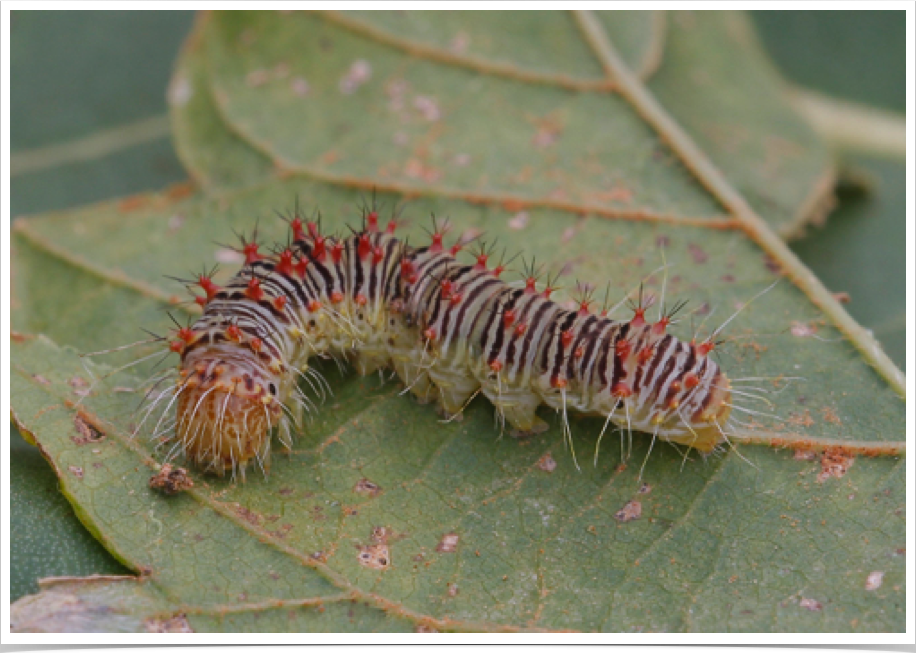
481,262
336,252
496,365
520,329
255,344
429,334
446,288
622,390
280,302
639,317
566,338
251,253
436,245
300,267
319,250
455,299
234,333
531,285
579,353
336,297
314,306
508,318
200,301
365,247
704,347
623,348
583,309
498,270
659,327
296,225
377,255
176,346
547,291
185,334
285,264
254,290
455,249
645,355
558,382
408,273
372,221
360,299
392,225
313,230
209,287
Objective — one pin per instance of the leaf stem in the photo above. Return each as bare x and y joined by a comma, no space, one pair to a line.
851,126
94,146
715,182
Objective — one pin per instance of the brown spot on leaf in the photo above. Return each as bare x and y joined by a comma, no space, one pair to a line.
252,518
80,386
85,432
547,463
40,379
175,624
171,480
810,604
367,487
803,419
772,264
697,253
842,297
425,628
645,488
380,534
802,454
834,464
448,543
374,556
76,471
830,416
452,589
631,511
703,309
802,330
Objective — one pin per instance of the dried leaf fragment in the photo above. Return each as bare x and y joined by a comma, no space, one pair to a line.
631,511
171,480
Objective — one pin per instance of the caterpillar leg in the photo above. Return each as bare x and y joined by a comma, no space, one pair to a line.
415,379
455,392
519,410
367,362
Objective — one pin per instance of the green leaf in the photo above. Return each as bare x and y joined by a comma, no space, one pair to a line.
743,542
761,516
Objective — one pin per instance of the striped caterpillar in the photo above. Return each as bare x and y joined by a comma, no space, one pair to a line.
449,329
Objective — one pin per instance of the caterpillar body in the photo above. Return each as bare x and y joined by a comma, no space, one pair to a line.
449,329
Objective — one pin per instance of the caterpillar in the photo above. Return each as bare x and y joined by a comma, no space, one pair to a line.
449,328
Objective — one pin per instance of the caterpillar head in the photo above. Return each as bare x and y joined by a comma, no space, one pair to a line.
226,410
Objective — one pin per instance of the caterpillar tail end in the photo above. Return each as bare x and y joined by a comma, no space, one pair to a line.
223,425
706,429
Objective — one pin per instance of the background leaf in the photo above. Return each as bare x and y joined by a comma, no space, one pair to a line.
152,275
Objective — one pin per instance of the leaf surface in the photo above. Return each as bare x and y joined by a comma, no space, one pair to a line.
748,540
